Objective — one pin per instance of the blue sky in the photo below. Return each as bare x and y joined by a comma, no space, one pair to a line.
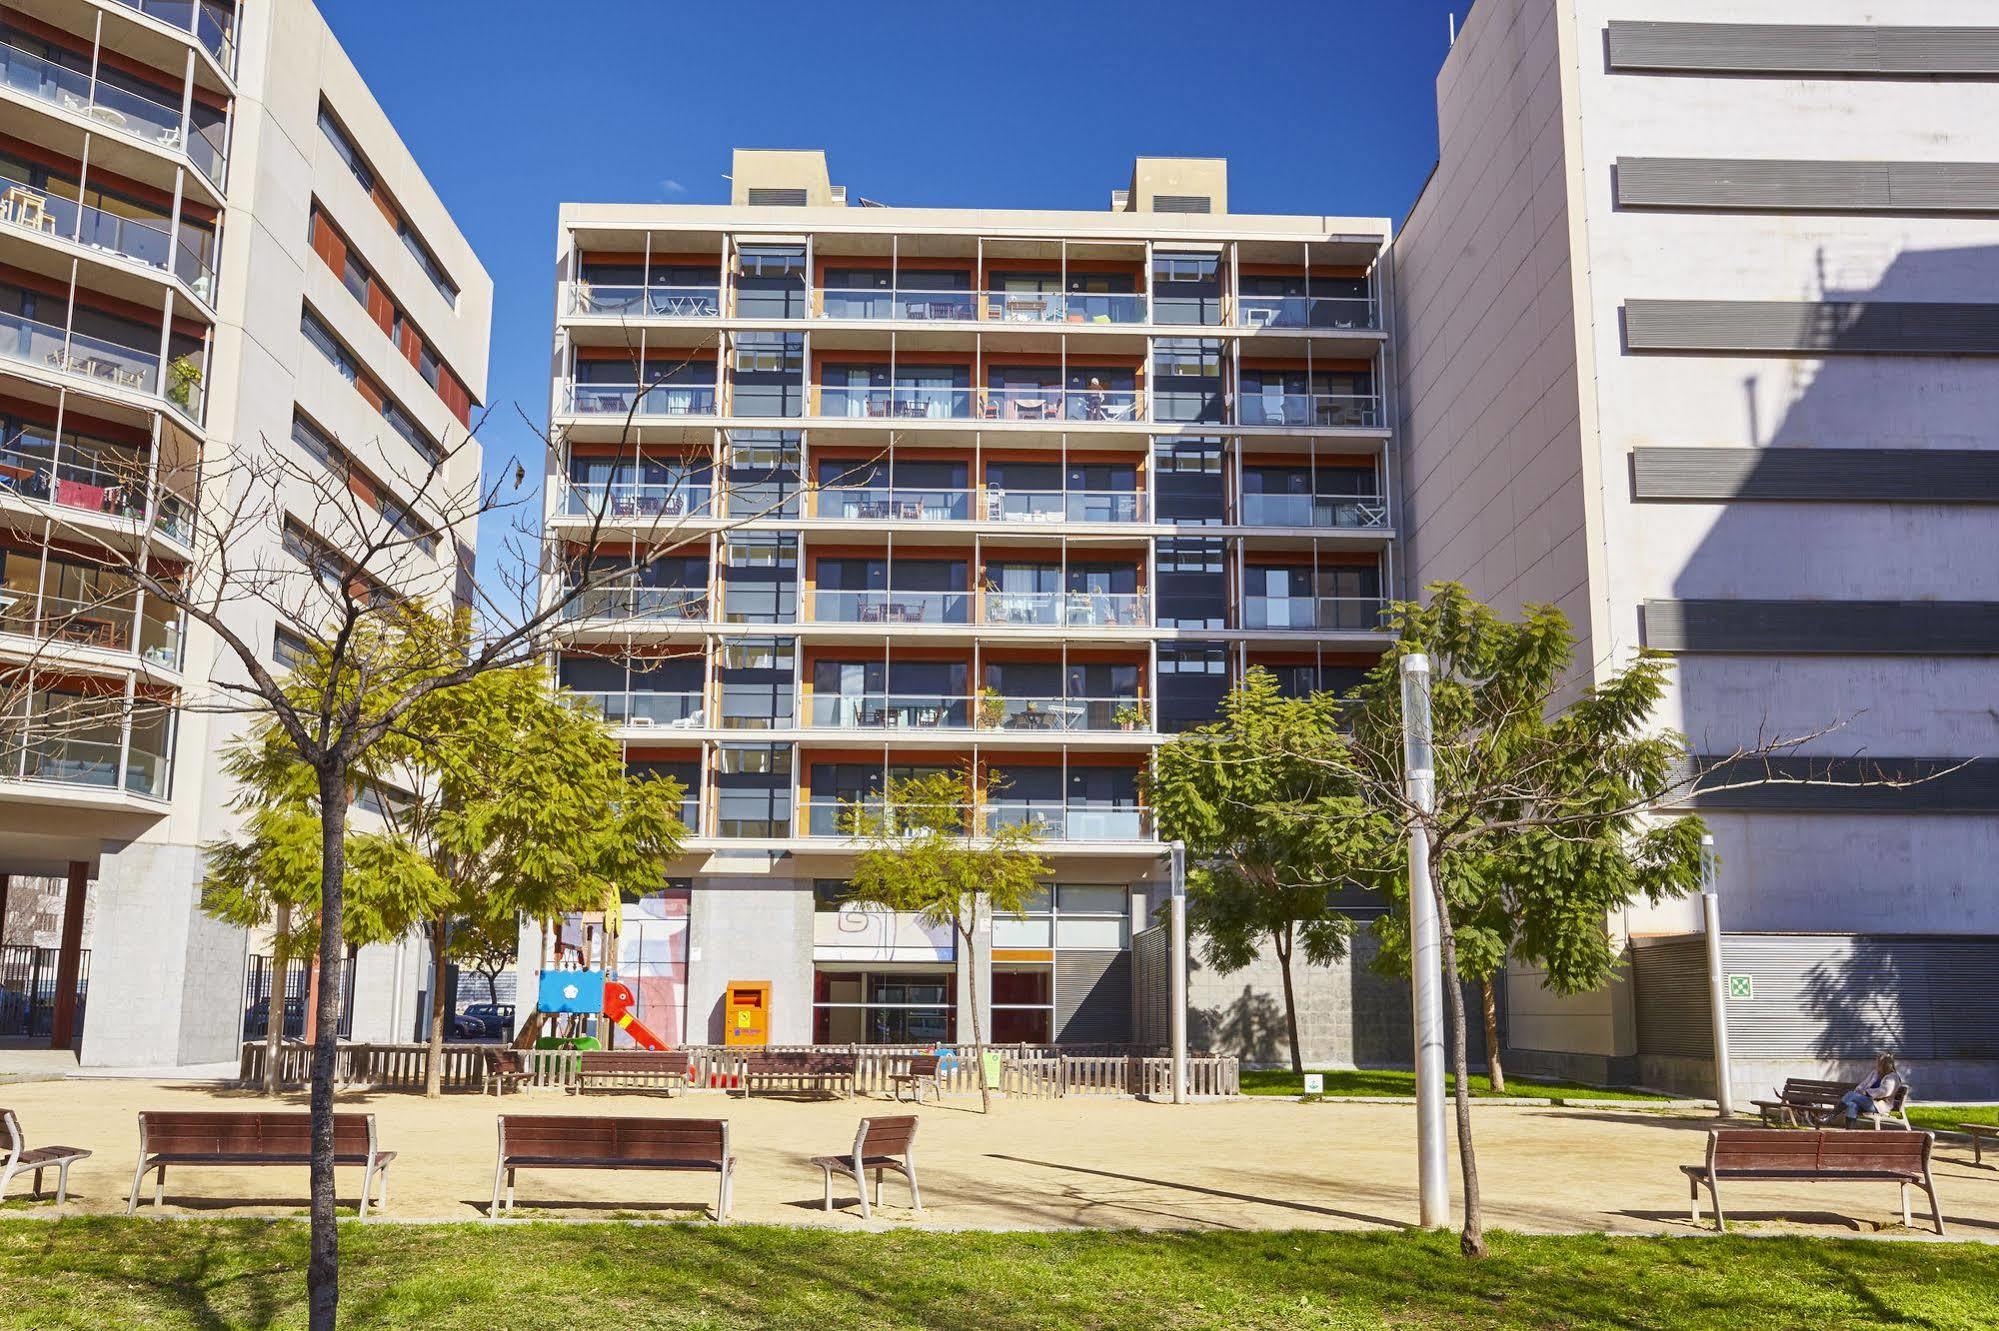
1321,106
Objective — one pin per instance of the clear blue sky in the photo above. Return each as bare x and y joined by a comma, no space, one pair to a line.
1321,106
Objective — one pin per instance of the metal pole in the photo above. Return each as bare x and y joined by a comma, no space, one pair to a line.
1425,950
1717,982
1177,930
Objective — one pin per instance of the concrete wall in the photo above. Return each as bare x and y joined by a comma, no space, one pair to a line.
750,928
166,982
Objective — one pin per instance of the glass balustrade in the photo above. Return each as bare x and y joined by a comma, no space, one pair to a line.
645,708
1327,410
1292,510
1348,613
898,503
44,346
1306,312
660,400
890,711
1058,404
623,499
891,607
646,302
905,402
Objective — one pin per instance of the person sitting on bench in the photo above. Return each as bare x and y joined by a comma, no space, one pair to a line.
1876,1090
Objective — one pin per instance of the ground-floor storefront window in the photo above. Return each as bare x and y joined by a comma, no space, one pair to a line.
1023,1004
884,1007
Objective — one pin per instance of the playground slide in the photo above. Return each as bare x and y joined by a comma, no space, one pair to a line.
618,1007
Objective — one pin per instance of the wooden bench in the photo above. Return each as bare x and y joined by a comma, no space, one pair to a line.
254,1137
1801,1100
877,1145
795,1070
922,1074
505,1070
20,1160
570,1141
630,1070
1980,1133
1823,1155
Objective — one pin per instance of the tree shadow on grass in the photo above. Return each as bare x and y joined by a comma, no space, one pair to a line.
1356,1216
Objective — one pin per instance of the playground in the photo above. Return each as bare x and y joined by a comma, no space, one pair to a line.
1254,1163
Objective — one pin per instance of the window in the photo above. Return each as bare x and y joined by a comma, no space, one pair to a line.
1193,584
374,298
355,278
1184,267
770,282
1193,680
321,337
758,682
753,790
763,473
760,579
343,147
290,650
1188,482
317,445
869,1007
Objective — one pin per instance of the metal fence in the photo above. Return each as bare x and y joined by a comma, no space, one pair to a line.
28,990
297,984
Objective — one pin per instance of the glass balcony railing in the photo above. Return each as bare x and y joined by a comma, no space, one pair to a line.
891,607
621,500
898,503
646,302
1065,506
1059,404
1072,609
1286,510
835,817
1331,410
1066,715
1351,613
194,263
1306,312
875,303
659,400
76,741
618,603
44,347
34,209
135,113
87,485
1058,822
1071,307
159,638
85,623
642,708
890,711
209,22
905,402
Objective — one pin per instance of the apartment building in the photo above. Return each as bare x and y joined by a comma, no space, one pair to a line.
1003,492
1698,321
211,241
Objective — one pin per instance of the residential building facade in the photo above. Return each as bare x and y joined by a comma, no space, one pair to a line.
1007,493
1699,340
212,243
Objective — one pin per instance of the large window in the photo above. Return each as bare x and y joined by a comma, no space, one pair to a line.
884,1007
760,579
753,790
1193,584
328,345
770,282
426,260
757,678
1186,288
769,375
1187,478
763,473
1193,680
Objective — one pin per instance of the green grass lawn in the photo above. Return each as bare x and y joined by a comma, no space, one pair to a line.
1367,1081
218,1274
1944,1117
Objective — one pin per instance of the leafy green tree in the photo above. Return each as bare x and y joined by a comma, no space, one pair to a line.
1542,824
1274,823
917,856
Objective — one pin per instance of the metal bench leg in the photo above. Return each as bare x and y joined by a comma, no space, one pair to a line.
722,1196
62,1181
1694,1199
381,1189
499,1172
827,1172
909,1172
160,1188
1714,1194
510,1191
1907,1223
878,1185
1936,1211
138,1177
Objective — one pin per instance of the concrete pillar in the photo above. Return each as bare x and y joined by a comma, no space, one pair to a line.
6,882
69,960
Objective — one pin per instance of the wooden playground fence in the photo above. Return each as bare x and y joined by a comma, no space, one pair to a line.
1039,1071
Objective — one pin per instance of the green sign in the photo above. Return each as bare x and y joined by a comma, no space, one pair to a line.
992,1069
1742,986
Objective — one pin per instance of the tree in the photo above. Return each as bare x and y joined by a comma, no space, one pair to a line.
920,854
488,946
1250,794
1541,827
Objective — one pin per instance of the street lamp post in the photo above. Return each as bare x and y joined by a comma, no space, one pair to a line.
1425,948
1717,982
1177,939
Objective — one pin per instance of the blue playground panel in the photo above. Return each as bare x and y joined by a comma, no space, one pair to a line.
571,991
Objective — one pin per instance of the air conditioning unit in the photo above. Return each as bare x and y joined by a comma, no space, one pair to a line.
640,721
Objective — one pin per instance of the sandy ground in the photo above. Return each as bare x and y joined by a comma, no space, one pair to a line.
1254,1163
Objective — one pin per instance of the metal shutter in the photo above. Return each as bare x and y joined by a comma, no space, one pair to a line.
1843,475
1092,997
1839,628
1781,48
1670,978
1182,203
1828,327
776,198
1807,186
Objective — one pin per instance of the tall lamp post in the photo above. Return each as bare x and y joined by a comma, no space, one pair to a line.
1717,982
1425,949
1177,940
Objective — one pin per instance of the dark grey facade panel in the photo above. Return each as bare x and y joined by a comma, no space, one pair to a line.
1817,328
1810,785
1835,628
1850,996
1787,48
1807,186
1092,997
1669,976
1152,986
1840,475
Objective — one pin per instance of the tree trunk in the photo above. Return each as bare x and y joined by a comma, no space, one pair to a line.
274,1004
322,1271
1493,1071
1282,941
492,987
978,1035
433,1072
1471,1240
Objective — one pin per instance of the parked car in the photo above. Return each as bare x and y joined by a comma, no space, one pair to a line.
498,1018
465,1027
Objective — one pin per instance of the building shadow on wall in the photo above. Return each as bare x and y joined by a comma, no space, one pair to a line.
1250,1026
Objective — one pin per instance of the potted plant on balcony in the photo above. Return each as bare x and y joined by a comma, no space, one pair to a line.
183,377
1131,715
992,709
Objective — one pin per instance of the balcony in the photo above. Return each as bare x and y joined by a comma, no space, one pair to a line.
619,501
890,711
622,603
150,244
209,23
132,113
892,504
918,306
639,302
1335,312
1352,614
1062,715
906,402
88,487
1345,512
108,364
1324,410
1058,822
632,400
1070,609
683,711
99,624
1071,307
1060,404
891,607
836,817
1038,506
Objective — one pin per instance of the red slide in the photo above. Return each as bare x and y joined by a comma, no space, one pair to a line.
618,1007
